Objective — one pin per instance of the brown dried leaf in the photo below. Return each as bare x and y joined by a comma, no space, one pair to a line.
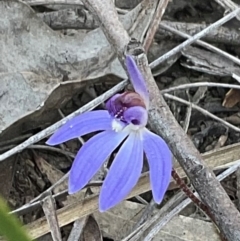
233,119
221,141
232,98
208,62
52,173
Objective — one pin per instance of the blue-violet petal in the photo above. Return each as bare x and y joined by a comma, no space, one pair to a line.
111,105
123,174
160,163
91,157
137,79
136,115
81,125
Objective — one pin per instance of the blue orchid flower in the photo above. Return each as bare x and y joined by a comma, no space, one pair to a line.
123,123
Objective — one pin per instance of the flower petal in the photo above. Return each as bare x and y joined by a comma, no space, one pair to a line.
136,115
91,157
123,174
81,125
111,105
137,79
160,163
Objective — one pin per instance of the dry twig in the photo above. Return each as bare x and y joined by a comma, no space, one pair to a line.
77,229
161,7
48,206
46,2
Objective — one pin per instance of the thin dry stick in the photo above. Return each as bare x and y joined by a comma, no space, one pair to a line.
187,118
194,38
148,210
46,2
51,148
43,194
199,84
48,206
205,112
201,43
77,229
154,25
228,5
164,124
147,214
14,140
221,35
